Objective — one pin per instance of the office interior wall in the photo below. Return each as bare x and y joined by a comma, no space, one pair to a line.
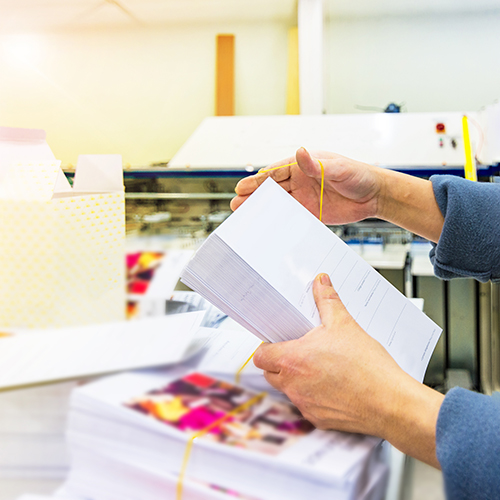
141,91
136,91
438,62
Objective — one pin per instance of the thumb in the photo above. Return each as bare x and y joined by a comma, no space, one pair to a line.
327,300
307,163
267,356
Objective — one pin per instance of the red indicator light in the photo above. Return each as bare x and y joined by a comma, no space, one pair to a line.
440,128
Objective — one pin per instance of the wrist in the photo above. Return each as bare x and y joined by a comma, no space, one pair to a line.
409,202
409,423
392,193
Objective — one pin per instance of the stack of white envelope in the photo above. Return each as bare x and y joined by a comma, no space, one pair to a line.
259,265
128,436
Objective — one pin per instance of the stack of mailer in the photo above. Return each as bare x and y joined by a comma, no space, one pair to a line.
259,265
129,433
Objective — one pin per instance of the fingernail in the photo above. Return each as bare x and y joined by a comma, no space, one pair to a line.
325,280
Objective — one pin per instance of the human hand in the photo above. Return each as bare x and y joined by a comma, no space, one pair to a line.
350,192
335,373
341,378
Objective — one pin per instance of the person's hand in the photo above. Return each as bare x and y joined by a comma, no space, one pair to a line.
350,192
341,378
336,375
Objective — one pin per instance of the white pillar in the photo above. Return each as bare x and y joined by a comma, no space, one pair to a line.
310,23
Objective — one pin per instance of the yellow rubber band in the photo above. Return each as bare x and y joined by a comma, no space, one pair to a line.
208,428
256,398
322,188
321,192
237,377
276,168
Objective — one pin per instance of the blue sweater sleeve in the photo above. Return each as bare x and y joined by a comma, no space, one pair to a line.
469,245
468,445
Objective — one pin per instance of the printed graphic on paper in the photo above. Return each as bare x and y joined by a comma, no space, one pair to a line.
196,400
141,267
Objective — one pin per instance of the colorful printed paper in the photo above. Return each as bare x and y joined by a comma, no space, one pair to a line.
196,401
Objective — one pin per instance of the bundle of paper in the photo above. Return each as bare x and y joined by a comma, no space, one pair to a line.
32,426
88,481
128,436
259,265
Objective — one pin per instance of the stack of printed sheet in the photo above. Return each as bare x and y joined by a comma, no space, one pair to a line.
33,420
129,435
259,265
32,426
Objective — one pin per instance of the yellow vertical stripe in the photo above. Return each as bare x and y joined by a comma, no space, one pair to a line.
470,165
292,91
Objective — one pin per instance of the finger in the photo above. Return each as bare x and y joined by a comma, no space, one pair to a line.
249,184
308,164
286,161
277,171
330,306
267,356
237,201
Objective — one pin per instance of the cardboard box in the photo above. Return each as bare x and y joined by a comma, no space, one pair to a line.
61,246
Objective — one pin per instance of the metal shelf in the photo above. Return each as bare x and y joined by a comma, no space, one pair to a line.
179,196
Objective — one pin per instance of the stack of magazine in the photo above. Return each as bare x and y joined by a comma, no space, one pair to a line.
128,436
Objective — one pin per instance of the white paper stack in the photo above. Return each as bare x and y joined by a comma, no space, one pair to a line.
33,420
32,425
128,435
259,265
